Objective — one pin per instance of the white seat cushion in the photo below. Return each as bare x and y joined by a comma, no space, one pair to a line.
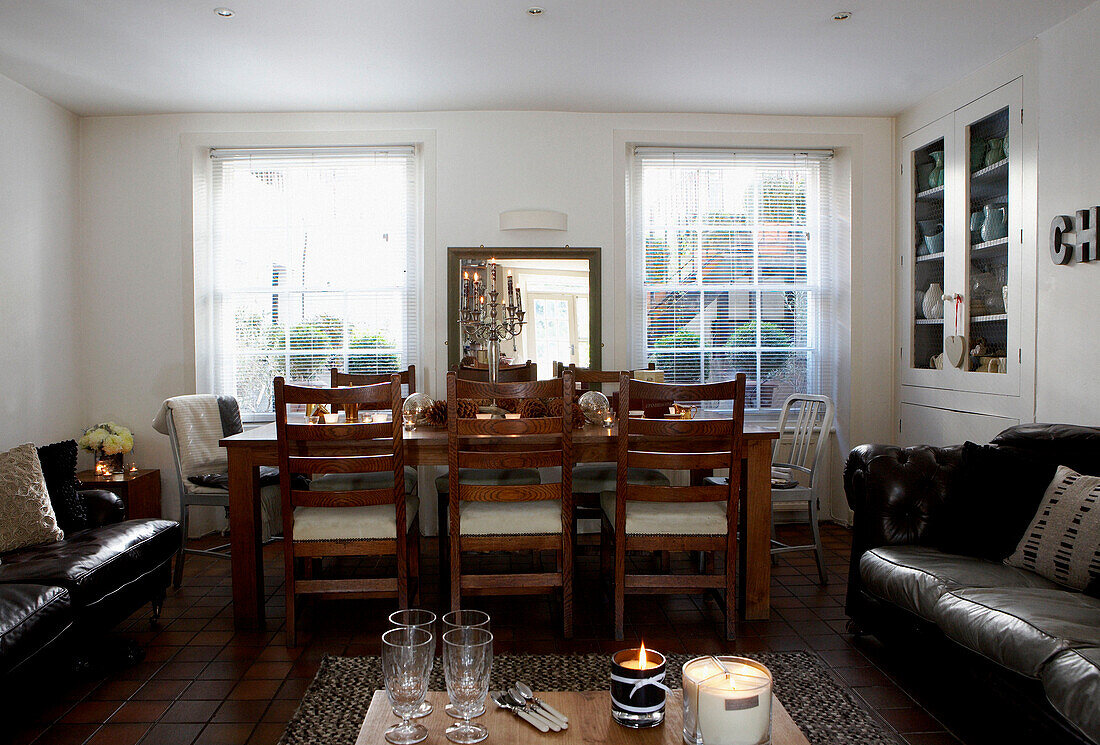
669,518
511,518
355,481
595,478
490,477
351,523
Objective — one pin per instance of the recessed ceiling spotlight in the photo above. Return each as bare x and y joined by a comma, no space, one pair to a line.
843,15
535,10
224,12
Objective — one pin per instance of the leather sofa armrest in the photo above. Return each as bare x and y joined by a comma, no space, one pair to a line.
103,507
896,494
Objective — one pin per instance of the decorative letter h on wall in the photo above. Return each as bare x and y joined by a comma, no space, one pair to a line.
1063,237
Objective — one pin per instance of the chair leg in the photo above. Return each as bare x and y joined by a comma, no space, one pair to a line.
566,564
818,551
731,596
454,545
619,580
177,574
291,605
444,545
414,568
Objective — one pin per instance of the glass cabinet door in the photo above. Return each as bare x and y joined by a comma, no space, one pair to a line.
992,237
926,176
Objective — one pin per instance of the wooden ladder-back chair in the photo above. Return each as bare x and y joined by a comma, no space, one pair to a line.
339,379
377,521
675,518
511,517
526,372
590,480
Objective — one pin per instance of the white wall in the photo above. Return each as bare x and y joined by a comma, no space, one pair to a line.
38,294
134,228
1069,179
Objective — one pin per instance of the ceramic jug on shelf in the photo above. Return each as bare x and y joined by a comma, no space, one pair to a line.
996,152
935,178
995,222
932,306
977,153
976,220
924,171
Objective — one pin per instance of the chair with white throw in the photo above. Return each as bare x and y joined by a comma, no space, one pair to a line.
195,425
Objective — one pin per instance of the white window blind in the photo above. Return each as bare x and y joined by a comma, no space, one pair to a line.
313,266
733,265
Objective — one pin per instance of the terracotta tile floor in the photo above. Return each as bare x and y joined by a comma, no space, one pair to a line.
202,682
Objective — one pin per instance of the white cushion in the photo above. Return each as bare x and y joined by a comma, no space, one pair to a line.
26,514
490,477
594,478
669,518
511,518
356,481
351,523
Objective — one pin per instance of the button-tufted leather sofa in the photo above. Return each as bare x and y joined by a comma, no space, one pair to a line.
62,595
932,526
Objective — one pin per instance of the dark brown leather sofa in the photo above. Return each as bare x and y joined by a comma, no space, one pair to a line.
932,527
68,592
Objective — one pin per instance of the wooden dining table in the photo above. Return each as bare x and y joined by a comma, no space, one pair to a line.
427,446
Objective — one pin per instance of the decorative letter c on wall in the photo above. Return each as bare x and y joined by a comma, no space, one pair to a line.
1060,253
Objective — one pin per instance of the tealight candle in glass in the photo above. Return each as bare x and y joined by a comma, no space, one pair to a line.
731,707
408,419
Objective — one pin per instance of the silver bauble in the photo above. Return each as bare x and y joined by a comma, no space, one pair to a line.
417,404
595,407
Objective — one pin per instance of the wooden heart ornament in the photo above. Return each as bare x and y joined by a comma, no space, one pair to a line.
955,349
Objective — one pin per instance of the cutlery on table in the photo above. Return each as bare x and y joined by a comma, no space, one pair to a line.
525,690
504,703
514,696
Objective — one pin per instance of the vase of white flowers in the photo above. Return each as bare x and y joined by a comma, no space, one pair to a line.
109,442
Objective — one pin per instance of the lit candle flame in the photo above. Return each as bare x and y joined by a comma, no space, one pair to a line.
475,276
641,657
465,275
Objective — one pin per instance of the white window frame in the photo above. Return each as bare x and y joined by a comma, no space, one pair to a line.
820,283
195,167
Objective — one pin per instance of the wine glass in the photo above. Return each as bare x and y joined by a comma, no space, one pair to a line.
406,659
467,662
420,619
465,619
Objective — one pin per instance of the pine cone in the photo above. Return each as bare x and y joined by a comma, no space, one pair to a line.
436,414
533,408
554,406
578,416
467,408
511,405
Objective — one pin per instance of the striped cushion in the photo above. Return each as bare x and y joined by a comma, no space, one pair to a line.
1063,541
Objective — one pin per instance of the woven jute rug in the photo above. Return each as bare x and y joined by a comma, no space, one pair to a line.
826,711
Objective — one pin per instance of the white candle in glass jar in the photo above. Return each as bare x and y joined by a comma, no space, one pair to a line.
735,707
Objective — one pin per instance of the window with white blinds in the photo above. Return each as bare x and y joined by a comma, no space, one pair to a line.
734,262
313,265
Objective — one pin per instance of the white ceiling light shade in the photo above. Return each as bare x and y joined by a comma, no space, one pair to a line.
533,220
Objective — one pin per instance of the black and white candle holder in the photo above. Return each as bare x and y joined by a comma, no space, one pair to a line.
638,695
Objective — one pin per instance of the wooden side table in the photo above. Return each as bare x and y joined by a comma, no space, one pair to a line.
140,491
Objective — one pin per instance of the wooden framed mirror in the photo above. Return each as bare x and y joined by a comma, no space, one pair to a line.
559,287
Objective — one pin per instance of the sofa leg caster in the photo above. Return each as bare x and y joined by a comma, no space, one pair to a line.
132,652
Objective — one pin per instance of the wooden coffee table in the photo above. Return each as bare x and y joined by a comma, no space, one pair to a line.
589,722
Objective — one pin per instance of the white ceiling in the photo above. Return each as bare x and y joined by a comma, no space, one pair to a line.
745,56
